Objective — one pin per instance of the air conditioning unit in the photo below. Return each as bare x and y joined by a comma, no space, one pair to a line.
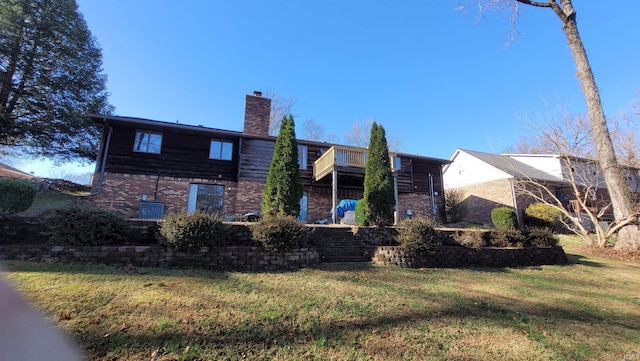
151,210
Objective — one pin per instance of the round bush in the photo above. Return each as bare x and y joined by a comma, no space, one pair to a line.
542,237
504,217
541,215
191,232
507,237
88,226
15,196
281,233
417,235
474,238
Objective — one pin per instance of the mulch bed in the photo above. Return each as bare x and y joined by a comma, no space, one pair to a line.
609,252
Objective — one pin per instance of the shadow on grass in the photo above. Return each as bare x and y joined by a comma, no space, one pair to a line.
582,260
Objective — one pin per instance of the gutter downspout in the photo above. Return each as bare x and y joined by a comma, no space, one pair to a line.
104,158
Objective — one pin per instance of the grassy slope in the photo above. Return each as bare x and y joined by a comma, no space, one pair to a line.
47,202
585,311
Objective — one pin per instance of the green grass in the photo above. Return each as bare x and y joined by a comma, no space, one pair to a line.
589,310
47,202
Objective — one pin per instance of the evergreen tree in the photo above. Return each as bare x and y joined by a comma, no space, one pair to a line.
379,196
283,190
50,79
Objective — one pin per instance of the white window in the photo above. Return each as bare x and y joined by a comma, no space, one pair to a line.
206,198
396,163
302,156
147,142
221,150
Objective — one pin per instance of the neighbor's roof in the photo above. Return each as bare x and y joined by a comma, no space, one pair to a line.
7,171
512,167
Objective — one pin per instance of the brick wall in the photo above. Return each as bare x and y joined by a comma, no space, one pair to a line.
418,203
124,192
483,197
249,196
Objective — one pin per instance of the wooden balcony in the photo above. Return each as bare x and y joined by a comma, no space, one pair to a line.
347,159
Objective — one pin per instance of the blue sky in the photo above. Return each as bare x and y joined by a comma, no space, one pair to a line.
437,78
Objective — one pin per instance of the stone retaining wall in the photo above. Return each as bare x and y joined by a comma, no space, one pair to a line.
219,259
455,257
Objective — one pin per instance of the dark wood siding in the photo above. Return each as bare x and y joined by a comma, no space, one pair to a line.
255,159
405,180
313,153
421,169
256,155
183,154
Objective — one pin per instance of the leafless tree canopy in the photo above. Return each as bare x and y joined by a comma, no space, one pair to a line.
359,135
313,130
280,107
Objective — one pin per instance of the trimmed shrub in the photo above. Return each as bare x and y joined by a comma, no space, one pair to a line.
507,237
281,233
504,217
15,196
191,232
541,215
474,238
542,237
360,215
417,235
453,208
88,226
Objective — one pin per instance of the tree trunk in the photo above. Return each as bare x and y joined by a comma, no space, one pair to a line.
628,236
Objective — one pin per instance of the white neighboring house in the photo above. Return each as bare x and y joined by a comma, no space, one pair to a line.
487,180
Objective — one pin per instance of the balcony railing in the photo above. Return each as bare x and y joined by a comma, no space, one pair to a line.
339,156
343,156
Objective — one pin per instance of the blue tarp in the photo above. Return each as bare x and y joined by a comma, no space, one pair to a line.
345,205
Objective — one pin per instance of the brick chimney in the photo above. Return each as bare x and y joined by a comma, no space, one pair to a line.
256,114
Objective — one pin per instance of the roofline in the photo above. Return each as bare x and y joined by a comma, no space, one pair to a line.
101,119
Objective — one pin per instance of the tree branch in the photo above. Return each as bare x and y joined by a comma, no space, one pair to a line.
548,4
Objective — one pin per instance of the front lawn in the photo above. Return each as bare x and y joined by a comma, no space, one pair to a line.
588,310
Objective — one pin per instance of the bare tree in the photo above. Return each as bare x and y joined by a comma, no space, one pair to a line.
359,134
316,131
280,106
582,213
570,137
625,140
625,215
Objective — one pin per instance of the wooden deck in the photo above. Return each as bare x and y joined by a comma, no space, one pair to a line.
349,159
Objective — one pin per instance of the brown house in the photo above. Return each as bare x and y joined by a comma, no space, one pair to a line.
148,168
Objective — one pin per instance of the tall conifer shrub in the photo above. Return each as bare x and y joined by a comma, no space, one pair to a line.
283,190
378,180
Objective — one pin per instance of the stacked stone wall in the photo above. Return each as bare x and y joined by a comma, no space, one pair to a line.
456,257
239,258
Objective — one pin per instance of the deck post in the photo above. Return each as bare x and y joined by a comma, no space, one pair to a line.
396,215
334,183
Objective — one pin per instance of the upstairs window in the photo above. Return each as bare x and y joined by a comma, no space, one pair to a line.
302,156
147,142
221,150
396,163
